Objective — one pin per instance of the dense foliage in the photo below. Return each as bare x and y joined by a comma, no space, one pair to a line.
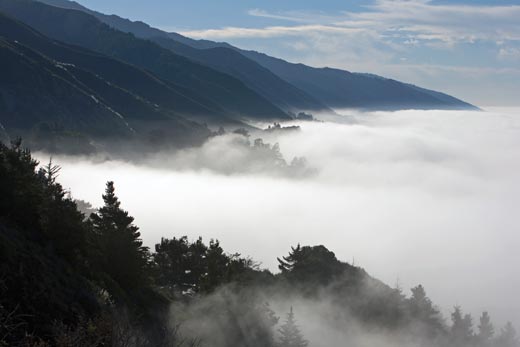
67,279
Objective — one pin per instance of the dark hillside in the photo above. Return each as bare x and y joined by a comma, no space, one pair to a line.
79,28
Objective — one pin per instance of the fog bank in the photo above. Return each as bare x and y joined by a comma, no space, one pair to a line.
428,197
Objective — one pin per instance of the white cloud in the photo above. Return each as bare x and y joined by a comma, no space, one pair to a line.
288,16
418,18
447,23
294,16
430,197
268,32
509,53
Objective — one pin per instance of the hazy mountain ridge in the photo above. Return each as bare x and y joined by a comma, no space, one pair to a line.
229,61
50,84
82,29
263,81
150,91
344,89
332,87
79,91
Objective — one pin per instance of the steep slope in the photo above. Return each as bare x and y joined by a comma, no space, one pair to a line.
339,88
343,89
258,78
155,93
110,85
35,91
332,87
79,28
223,59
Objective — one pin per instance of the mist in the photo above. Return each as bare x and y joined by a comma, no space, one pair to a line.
429,197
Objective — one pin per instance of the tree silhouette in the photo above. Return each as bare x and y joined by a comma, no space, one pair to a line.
424,312
508,337
461,329
290,334
485,330
181,266
124,258
311,264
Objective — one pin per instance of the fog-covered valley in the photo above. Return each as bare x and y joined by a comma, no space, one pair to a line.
194,174
413,197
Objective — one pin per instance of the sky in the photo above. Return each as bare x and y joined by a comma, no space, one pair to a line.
470,49
418,197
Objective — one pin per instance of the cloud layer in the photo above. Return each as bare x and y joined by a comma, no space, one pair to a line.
425,197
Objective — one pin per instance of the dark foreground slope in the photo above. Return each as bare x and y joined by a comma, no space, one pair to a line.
204,83
332,87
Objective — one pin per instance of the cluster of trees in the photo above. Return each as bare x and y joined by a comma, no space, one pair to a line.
65,276
278,127
68,279
261,156
462,333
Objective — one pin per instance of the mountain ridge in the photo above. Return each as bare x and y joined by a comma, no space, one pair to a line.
49,88
255,76
333,87
81,29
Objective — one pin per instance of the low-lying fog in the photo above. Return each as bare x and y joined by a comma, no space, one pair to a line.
430,197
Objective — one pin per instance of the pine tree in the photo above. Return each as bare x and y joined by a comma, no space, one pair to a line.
311,264
287,264
424,312
290,335
485,330
59,219
171,258
508,337
461,329
123,256
217,263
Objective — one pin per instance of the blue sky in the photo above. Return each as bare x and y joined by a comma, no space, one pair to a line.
470,49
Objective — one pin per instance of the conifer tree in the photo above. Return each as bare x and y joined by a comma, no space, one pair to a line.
508,337
485,330
290,334
287,264
461,329
123,256
422,310
310,264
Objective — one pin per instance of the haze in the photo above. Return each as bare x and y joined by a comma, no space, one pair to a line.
428,197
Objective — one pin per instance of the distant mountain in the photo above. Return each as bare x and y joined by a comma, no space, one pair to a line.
343,89
332,87
36,90
229,61
51,89
252,74
203,83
